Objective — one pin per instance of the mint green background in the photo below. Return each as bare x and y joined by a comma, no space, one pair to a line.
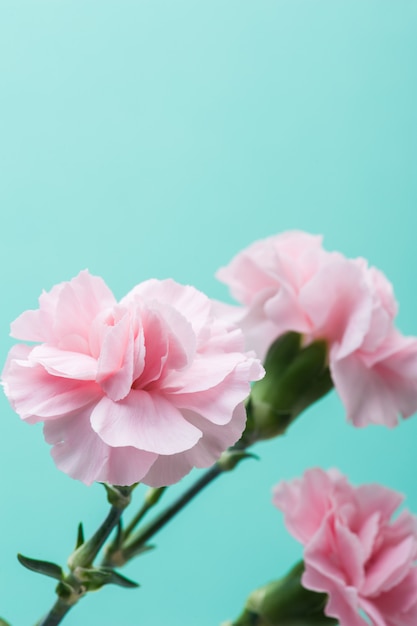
158,138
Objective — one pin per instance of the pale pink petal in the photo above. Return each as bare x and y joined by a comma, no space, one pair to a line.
373,395
117,359
64,363
259,330
79,302
32,326
215,438
374,498
290,283
79,452
154,353
121,365
375,617
304,502
258,277
38,325
37,396
127,465
207,372
168,470
389,567
368,532
399,605
323,554
139,419
343,602
344,315
218,403
193,305
182,343
358,555
285,310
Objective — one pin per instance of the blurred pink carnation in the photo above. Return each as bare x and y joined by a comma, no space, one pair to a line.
354,551
140,390
289,282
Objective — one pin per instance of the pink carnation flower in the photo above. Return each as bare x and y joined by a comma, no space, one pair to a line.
354,551
140,390
289,282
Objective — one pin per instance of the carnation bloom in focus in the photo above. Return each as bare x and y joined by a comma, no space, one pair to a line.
290,283
353,550
140,390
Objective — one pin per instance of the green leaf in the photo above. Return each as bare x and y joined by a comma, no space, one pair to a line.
41,567
80,536
96,577
121,581
3,622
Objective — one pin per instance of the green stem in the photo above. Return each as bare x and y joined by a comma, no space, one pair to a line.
152,497
138,540
56,614
71,588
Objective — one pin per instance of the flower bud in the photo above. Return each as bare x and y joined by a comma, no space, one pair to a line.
295,377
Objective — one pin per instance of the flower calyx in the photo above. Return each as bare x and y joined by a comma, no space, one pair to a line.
285,602
296,377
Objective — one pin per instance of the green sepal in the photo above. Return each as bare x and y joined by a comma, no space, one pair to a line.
285,602
118,496
231,457
64,591
295,378
80,536
96,577
41,567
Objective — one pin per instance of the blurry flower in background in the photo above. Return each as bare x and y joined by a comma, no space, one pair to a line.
140,390
353,550
290,283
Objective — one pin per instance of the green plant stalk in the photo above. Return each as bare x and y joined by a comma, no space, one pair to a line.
71,589
136,542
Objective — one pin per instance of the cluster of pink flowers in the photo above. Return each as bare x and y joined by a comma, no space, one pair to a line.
149,387
353,549
140,390
290,283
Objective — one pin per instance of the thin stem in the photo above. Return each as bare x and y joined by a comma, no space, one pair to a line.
56,614
71,589
136,519
86,553
141,537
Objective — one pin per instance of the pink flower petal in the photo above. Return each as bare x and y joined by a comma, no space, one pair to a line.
290,283
64,363
218,403
143,371
304,502
372,395
79,452
117,359
193,305
168,470
138,421
354,552
38,396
